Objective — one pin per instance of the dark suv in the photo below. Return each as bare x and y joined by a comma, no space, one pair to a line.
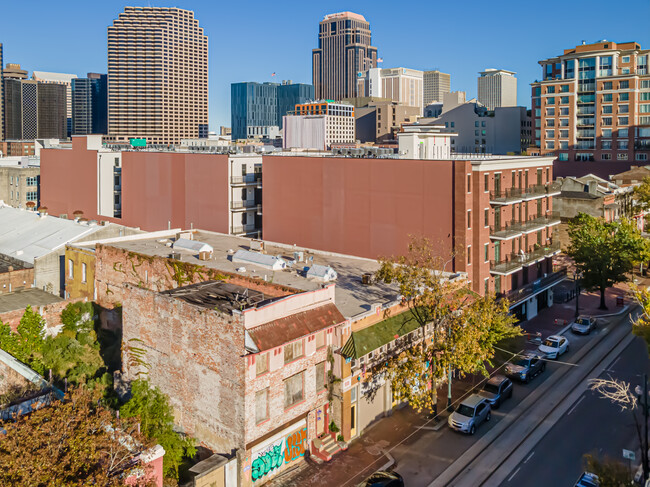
525,367
497,390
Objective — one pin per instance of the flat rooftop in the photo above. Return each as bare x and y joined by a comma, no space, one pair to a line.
353,298
220,295
26,297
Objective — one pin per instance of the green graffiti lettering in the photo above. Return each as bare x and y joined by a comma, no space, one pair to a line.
266,462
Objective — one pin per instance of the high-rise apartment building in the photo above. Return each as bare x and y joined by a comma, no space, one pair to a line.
435,85
157,76
14,71
593,104
59,79
256,107
90,105
400,85
34,110
497,88
2,97
319,126
343,52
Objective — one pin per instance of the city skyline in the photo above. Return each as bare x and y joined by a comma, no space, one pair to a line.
236,55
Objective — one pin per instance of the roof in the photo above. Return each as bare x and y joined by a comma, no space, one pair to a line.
47,76
263,260
193,245
496,379
26,235
219,295
323,272
7,265
290,328
637,173
26,297
578,195
473,400
371,338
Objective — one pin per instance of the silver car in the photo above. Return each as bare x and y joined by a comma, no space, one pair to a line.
469,414
583,325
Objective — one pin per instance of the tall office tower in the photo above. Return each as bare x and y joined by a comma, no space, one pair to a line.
257,107
497,88
34,110
59,79
14,71
90,105
2,98
436,84
401,85
343,52
593,104
157,76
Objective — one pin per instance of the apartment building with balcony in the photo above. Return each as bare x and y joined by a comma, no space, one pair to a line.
491,216
593,105
319,125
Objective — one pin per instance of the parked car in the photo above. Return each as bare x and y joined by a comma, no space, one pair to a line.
496,390
583,325
469,414
554,346
588,480
527,366
383,479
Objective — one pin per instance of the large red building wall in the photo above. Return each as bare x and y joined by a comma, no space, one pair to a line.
364,207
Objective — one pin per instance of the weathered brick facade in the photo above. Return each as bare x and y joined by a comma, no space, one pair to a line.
15,279
51,313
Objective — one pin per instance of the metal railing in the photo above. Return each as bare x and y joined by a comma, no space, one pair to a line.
505,195
506,230
248,179
514,261
243,205
516,295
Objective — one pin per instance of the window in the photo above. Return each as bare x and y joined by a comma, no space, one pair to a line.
293,351
550,134
607,109
476,124
469,218
622,133
623,120
261,364
487,252
564,122
486,216
623,109
482,132
550,100
564,134
563,156
608,97
606,157
70,268
486,182
606,144
469,255
623,85
32,181
645,108
83,272
538,113
644,96
31,195
452,124
622,144
261,405
624,97
564,144
320,340
564,100
469,183
564,89
476,133
293,389
564,110
550,89
550,122
626,59
622,157
550,112
607,85
607,121
550,144
607,132
482,124
320,376
642,157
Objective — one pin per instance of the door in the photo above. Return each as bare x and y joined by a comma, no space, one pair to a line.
497,251
353,420
320,421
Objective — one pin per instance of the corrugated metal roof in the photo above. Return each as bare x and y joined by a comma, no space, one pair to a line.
371,338
193,245
323,272
290,328
26,236
262,260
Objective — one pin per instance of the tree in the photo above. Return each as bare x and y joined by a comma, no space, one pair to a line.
611,473
642,195
156,417
72,442
604,252
26,344
457,329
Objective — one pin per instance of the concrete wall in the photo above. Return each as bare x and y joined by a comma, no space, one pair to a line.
364,207
75,286
195,357
13,184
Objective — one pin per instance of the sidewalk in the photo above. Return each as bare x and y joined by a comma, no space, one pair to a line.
366,453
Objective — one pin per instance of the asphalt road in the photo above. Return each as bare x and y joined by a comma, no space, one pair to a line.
591,425
427,454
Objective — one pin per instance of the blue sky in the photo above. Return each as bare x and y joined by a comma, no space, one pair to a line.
249,40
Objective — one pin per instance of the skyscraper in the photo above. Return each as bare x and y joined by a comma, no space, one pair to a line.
59,79
436,84
497,88
400,85
157,76
343,52
34,110
90,105
2,98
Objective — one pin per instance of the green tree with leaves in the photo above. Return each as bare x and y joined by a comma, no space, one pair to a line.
457,328
156,416
604,252
610,472
26,344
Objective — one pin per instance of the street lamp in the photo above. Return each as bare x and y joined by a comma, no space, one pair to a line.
576,276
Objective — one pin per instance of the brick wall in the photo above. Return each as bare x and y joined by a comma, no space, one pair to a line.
196,358
14,280
51,313
115,266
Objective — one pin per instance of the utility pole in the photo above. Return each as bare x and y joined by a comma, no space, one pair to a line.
449,392
575,277
644,453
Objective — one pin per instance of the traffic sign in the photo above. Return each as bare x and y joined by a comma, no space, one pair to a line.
629,454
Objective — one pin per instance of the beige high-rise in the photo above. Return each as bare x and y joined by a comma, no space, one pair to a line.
436,85
157,76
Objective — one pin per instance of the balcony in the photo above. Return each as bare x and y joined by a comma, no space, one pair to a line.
505,196
245,205
506,231
241,230
538,222
516,296
540,190
513,262
248,179
642,145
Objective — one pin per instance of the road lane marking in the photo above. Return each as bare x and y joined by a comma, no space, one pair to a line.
575,405
609,369
514,473
529,456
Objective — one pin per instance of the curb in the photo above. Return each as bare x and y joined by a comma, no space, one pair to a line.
622,311
389,463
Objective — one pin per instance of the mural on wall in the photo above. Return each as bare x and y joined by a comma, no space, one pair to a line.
278,453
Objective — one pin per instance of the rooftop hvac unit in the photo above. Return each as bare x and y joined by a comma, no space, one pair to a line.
299,256
175,255
257,245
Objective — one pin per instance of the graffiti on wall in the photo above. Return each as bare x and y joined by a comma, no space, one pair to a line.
278,453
